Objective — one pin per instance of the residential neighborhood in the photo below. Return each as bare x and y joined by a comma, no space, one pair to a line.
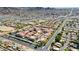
39,29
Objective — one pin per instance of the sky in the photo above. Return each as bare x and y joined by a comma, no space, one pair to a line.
39,3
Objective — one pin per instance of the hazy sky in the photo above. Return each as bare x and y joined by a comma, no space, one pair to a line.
40,3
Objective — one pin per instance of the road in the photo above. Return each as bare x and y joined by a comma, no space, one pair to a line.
45,48
68,37
54,35
22,41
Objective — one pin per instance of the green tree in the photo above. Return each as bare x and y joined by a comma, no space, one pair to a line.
58,37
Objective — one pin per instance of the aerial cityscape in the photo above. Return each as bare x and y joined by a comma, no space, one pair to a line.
39,29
